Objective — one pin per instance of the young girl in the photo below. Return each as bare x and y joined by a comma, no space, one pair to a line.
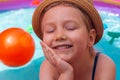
69,29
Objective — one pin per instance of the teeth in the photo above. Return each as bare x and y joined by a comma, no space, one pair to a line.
63,47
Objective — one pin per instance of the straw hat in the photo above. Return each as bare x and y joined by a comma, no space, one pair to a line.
86,5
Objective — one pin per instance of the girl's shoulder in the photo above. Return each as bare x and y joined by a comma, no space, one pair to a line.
105,68
105,60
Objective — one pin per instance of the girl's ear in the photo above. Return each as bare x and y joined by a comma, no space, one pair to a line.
92,37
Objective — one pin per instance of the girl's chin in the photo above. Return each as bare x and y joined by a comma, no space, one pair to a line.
64,57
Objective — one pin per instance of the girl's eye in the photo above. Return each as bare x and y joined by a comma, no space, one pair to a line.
71,27
50,30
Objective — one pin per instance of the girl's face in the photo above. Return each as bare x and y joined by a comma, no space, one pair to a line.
65,32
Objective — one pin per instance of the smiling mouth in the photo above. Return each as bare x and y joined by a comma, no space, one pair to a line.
63,47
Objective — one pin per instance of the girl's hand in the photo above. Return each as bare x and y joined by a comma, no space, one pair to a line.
62,66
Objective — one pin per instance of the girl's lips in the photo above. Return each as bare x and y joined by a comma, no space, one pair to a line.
62,47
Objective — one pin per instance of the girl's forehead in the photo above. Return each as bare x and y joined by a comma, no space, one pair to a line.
64,14
63,11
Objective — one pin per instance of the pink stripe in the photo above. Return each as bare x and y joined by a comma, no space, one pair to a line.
14,4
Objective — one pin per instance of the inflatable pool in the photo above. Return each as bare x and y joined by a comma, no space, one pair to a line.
18,13
112,2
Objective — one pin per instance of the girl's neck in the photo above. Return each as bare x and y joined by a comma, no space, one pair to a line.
83,67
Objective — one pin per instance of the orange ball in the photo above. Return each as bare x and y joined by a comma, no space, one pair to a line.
16,47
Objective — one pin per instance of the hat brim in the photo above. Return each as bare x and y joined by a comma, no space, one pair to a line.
83,4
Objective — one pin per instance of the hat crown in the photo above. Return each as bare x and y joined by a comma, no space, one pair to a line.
91,1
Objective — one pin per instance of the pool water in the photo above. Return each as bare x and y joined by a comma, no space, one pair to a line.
109,45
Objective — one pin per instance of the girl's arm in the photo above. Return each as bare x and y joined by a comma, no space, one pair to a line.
64,69
47,72
66,76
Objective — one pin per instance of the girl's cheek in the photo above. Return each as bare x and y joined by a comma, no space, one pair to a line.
47,38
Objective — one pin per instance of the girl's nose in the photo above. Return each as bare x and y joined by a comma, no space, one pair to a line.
60,36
